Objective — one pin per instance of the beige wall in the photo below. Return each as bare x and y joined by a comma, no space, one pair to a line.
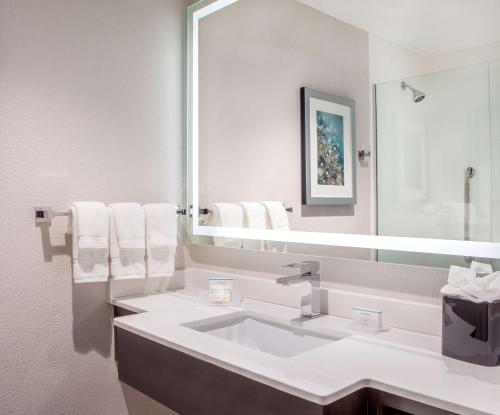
395,281
255,55
390,62
91,107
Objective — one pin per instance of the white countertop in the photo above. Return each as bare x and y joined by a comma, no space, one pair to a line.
405,363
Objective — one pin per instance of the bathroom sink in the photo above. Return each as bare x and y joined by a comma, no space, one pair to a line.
265,334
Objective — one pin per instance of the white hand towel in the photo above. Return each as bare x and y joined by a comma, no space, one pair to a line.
278,219
129,225
229,215
90,247
161,239
92,221
127,240
255,217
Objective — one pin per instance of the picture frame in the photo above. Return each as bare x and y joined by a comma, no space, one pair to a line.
328,149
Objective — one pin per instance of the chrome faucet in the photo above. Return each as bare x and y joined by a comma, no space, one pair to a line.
309,277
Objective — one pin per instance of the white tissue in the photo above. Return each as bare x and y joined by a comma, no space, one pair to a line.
464,283
479,267
495,281
459,276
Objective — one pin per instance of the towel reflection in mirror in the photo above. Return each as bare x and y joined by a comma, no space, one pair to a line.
252,215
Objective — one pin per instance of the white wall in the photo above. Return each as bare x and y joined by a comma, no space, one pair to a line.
91,107
255,55
403,282
390,62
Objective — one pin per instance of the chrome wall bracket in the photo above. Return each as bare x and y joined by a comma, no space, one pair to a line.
45,214
362,154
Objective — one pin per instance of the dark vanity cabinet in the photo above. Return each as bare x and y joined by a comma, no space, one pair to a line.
191,386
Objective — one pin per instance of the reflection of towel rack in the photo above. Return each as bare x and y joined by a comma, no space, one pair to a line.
206,211
45,214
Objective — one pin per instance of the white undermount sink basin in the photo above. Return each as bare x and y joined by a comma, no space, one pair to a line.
264,334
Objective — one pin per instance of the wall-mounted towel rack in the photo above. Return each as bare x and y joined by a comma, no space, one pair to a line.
45,214
206,211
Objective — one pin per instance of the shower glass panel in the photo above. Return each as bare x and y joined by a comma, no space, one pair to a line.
423,152
495,149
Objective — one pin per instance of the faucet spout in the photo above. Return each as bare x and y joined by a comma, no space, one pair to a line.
309,278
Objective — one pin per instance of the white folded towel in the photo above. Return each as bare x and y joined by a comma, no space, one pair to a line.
278,219
161,239
229,215
90,236
129,225
127,240
93,225
255,217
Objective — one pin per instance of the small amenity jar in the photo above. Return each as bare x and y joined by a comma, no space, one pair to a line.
471,331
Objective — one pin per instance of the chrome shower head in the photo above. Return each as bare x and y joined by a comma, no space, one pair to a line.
417,95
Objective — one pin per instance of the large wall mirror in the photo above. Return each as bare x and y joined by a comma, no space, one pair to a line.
356,129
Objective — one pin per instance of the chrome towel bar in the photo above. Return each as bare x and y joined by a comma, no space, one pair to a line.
206,211
45,214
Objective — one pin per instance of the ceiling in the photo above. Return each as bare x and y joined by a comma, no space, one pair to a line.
428,27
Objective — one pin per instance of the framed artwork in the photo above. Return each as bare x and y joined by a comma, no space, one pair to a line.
328,149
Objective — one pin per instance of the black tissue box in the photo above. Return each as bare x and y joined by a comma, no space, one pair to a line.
471,331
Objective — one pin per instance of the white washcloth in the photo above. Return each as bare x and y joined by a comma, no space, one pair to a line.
255,217
90,236
127,240
229,215
278,220
161,239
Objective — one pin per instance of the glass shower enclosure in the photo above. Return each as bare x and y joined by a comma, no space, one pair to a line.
438,159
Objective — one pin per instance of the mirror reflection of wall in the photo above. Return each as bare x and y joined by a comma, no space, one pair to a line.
250,140
256,55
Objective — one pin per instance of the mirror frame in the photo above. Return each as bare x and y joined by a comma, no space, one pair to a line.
204,8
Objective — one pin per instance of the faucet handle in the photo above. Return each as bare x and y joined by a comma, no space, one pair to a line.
293,265
310,267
